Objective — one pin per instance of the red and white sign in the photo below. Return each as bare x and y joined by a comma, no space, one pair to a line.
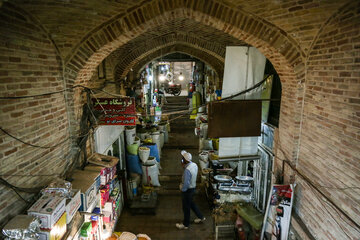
117,111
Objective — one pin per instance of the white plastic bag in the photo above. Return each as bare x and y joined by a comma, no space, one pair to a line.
152,173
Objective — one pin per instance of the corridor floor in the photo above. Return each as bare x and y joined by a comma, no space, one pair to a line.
169,209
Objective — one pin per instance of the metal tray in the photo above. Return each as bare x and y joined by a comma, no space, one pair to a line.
223,178
244,179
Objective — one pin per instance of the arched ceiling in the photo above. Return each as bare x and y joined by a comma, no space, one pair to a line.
208,43
217,65
68,22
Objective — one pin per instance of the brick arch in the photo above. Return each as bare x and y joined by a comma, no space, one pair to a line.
216,64
272,41
282,50
139,58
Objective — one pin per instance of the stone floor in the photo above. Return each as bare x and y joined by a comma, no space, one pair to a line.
169,210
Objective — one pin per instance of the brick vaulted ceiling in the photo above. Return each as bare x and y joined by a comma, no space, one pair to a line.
69,22
202,42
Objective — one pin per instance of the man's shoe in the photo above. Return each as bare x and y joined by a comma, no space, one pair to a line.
198,220
181,226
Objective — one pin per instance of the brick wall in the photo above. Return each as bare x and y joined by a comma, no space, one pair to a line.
275,45
329,153
29,64
314,50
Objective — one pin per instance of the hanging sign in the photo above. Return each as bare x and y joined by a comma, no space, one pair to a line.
117,120
116,111
124,105
278,213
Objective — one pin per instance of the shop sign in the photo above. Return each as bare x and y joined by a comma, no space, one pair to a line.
117,120
116,111
125,105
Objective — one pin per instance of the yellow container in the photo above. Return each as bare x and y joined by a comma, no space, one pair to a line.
215,143
148,140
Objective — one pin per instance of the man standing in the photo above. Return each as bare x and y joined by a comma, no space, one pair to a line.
187,188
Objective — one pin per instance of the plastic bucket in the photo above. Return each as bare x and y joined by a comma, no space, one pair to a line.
162,127
203,164
151,161
144,153
166,137
132,149
130,135
133,187
203,130
137,141
156,139
143,136
162,139
204,156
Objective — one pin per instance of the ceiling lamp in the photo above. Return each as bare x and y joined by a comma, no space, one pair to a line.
162,78
181,77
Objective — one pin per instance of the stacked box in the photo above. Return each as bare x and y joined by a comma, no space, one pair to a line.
56,232
73,205
49,209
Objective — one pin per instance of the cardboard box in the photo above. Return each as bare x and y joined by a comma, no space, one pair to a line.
86,182
49,209
88,198
73,205
57,231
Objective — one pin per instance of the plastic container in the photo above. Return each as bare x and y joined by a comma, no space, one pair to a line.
153,150
133,187
150,162
132,149
151,175
204,156
144,153
156,139
137,141
133,163
143,136
130,133
162,139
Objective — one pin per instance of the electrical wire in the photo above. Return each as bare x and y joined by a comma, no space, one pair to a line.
313,185
330,214
17,189
33,145
44,94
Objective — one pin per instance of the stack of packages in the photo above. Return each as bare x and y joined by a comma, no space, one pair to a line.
55,209
109,194
22,227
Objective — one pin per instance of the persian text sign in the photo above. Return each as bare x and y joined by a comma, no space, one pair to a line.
116,110
117,120
124,105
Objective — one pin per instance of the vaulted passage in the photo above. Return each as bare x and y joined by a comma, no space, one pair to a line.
60,60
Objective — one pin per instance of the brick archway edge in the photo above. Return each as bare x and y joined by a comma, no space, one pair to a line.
140,60
275,44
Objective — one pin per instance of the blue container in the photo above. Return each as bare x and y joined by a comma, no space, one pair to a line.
153,151
133,163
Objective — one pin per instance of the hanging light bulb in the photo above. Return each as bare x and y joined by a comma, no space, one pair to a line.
181,77
162,78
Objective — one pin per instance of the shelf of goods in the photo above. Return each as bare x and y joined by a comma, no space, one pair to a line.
102,201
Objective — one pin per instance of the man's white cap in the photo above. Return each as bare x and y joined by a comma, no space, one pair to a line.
186,155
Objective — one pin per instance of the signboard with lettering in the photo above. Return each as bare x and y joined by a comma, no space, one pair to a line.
116,111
